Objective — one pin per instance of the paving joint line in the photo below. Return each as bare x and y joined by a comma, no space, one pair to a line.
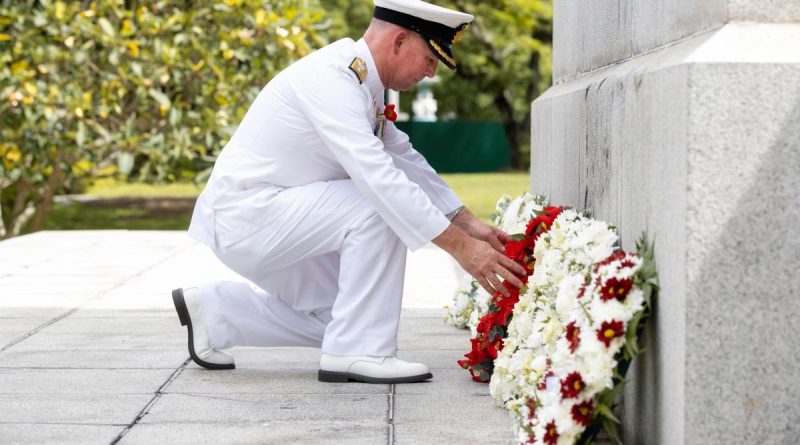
390,420
97,296
159,392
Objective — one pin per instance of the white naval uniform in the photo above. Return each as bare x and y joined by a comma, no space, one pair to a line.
314,209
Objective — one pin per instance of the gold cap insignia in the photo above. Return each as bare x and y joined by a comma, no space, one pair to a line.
459,32
359,67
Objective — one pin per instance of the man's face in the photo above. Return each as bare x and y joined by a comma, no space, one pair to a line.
414,62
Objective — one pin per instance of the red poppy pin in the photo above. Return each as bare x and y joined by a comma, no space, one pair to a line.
390,113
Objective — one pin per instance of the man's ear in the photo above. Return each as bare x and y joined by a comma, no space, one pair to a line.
400,39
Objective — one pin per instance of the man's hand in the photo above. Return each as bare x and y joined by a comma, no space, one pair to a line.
481,253
478,229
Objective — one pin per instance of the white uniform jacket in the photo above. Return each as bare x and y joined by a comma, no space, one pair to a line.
314,122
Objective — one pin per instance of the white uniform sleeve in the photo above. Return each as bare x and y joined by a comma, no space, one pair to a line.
419,170
337,108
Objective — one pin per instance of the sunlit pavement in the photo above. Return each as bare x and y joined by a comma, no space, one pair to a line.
91,351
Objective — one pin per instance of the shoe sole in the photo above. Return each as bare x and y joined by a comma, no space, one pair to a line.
186,320
344,377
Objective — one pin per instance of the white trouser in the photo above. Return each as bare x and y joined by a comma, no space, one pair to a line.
328,270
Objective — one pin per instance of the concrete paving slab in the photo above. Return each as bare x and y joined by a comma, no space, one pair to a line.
62,434
431,339
87,409
416,312
102,326
93,311
113,358
274,359
434,358
263,381
85,377
446,382
271,432
81,341
14,328
476,409
82,381
261,408
435,433
44,313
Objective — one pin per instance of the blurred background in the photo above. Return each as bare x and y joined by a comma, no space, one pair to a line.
113,111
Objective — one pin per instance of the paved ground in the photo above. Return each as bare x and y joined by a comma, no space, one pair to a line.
91,351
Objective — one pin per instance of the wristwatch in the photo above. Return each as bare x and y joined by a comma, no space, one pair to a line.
452,215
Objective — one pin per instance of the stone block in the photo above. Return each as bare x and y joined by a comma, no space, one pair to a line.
697,143
777,11
592,34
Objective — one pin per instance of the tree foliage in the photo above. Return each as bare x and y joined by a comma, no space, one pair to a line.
150,89
504,62
153,89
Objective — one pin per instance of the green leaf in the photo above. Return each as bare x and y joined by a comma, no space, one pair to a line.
106,26
606,413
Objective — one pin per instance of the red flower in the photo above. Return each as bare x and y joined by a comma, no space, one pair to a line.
573,336
487,322
494,347
551,433
517,250
621,256
542,222
543,382
610,330
616,288
582,412
572,385
390,113
531,403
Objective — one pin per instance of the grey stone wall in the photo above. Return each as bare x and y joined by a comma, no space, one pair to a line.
683,119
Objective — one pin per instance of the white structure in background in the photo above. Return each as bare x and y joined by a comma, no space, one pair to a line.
424,105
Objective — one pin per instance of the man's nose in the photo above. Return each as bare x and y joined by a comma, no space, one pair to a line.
431,71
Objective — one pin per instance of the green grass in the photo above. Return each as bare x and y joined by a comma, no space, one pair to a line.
138,190
78,216
479,191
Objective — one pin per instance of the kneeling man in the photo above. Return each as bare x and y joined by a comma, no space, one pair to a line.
316,198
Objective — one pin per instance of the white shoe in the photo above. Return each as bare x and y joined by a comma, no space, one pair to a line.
189,305
343,368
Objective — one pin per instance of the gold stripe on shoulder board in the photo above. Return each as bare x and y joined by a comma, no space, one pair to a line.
359,67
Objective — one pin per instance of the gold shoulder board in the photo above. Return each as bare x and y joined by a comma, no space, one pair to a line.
359,67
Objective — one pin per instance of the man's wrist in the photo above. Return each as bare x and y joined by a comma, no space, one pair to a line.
452,215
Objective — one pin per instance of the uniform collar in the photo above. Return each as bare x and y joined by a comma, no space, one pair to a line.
373,81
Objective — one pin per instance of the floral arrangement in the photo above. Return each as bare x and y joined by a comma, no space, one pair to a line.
471,302
558,357
491,330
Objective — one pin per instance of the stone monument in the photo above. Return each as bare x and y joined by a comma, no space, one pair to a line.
682,118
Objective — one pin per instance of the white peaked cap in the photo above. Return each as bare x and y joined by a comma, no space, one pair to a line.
427,11
439,27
